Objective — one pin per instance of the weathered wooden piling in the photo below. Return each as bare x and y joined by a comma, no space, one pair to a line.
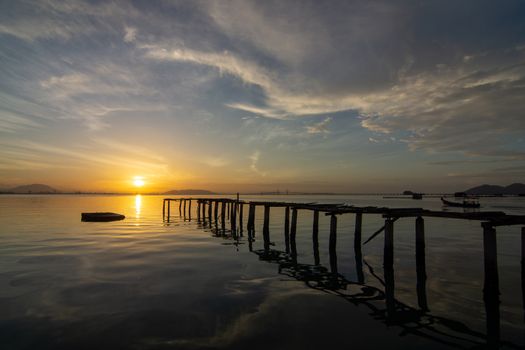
315,237
421,265
169,210
388,252
184,207
180,207
199,210
251,219
358,228
233,218
491,284
293,232
287,229
216,212
241,213
223,216
333,243
189,208
266,224
164,208
388,267
523,269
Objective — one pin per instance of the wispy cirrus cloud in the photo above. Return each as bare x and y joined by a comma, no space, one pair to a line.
319,128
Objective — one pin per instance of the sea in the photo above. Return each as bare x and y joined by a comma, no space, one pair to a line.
147,282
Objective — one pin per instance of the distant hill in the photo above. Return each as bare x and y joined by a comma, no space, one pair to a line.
34,188
514,189
190,192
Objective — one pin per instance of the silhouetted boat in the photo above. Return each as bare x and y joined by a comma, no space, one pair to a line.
467,203
102,217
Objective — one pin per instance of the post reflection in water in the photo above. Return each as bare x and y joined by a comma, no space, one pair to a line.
382,302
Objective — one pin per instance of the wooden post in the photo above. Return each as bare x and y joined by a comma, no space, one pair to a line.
180,207
357,248
388,266
251,219
216,211
163,209
358,229
233,218
266,228
491,284
523,269
333,243
228,208
315,237
189,209
287,229
388,252
293,233
241,213
203,210
223,216
199,210
210,205
421,264
169,209
266,225
184,208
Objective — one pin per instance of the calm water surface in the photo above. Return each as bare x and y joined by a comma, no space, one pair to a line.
143,283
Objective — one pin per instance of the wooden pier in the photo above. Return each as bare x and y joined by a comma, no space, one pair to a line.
232,210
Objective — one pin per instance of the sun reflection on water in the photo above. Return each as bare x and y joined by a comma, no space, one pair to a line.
138,205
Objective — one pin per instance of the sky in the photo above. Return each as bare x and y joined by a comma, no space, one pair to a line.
318,96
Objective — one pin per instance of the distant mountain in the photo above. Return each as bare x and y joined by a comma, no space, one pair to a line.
514,189
34,188
190,192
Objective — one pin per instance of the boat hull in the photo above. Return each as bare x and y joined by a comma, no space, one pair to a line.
460,205
101,217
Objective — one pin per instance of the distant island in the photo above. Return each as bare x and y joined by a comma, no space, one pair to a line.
33,188
494,190
189,192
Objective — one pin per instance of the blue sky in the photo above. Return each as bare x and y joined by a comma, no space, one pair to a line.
349,96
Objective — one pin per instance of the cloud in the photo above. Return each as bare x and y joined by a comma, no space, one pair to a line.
254,158
319,128
130,34
49,19
216,162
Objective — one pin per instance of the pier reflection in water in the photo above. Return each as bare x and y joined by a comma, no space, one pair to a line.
382,302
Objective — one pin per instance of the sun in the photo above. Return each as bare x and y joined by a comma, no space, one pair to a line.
138,181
